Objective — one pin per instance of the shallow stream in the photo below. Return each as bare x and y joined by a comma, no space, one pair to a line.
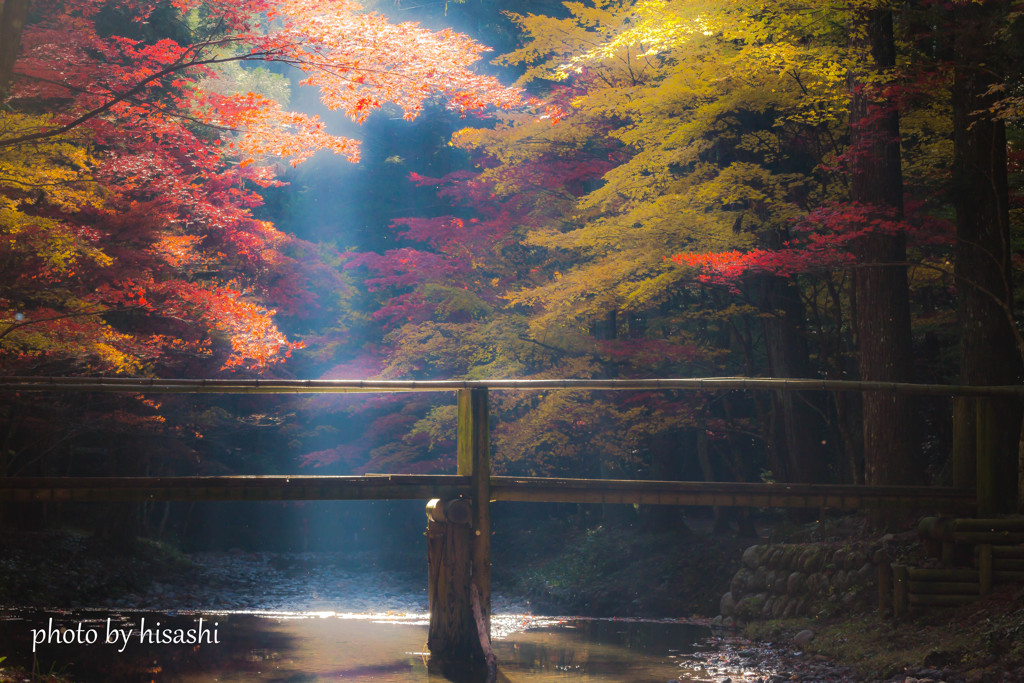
295,618
321,647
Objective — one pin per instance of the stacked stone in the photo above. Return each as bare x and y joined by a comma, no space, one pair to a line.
795,580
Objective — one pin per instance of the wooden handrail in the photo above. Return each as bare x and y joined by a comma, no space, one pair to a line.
502,488
327,386
234,487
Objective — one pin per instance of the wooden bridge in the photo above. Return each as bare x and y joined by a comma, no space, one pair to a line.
458,528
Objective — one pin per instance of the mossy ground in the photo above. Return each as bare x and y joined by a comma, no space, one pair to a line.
983,641
18,675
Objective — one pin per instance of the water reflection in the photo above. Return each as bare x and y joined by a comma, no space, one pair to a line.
318,647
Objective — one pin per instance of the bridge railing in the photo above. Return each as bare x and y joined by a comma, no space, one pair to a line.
459,543
473,418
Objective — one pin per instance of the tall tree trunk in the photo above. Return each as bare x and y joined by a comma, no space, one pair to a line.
797,426
882,291
989,352
12,20
668,449
707,469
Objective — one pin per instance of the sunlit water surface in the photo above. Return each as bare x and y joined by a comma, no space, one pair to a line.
279,646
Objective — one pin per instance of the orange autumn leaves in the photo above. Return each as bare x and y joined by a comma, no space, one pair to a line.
145,255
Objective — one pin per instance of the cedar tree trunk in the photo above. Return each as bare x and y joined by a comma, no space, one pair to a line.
882,291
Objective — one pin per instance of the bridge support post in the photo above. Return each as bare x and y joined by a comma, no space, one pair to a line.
452,633
474,458
459,547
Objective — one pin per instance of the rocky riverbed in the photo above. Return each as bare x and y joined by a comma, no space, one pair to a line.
734,659
287,582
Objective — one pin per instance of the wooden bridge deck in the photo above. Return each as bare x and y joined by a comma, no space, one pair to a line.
502,488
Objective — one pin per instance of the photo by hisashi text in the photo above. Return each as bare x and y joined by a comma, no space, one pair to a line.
151,634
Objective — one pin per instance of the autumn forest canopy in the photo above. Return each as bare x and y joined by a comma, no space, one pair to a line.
618,189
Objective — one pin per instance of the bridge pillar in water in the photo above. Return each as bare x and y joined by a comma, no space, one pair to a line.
452,633
459,547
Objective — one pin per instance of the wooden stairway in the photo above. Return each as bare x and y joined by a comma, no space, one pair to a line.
975,554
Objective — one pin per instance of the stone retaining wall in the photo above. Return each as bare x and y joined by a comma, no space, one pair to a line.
791,580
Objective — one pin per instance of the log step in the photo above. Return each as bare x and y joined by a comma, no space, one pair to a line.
991,537
1005,551
944,588
941,600
988,525
969,530
1004,564
964,575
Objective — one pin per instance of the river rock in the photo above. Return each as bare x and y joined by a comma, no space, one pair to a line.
817,584
752,556
759,581
863,557
775,581
773,560
740,582
727,605
750,607
795,583
802,638
812,559
788,556
804,606
851,560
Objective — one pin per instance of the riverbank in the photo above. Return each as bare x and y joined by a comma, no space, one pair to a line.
70,568
687,574
978,643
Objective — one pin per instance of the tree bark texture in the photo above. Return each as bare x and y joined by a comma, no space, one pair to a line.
452,633
797,428
882,291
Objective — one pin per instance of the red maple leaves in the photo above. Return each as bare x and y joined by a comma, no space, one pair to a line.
179,266
823,240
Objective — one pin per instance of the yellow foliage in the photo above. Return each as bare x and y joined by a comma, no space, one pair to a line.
117,361
56,172
38,181
675,82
